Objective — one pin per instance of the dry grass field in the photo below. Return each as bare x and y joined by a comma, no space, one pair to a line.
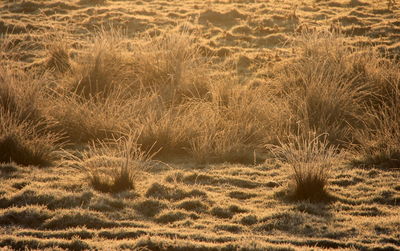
199,125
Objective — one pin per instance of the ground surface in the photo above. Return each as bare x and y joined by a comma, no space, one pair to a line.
185,206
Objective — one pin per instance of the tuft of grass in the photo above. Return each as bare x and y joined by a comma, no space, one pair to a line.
310,158
26,135
236,123
58,50
379,146
122,180
360,79
26,143
86,120
20,94
114,166
172,66
58,57
98,72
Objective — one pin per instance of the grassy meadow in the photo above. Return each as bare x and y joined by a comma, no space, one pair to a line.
203,125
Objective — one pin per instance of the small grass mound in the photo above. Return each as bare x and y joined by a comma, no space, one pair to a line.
193,205
107,204
241,195
288,221
8,168
229,228
23,243
226,213
150,207
248,220
29,216
52,199
78,218
160,191
171,216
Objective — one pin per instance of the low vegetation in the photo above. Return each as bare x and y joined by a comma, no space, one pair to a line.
245,132
311,158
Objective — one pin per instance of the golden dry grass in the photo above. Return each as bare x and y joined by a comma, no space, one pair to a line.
199,125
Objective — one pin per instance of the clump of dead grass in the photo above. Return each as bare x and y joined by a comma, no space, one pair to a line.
310,158
100,70
350,94
26,136
379,146
58,56
164,86
113,166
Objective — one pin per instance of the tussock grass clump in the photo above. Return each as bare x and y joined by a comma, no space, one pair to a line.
58,56
171,65
92,100
86,120
325,68
20,94
26,143
100,70
236,123
380,146
310,157
26,135
350,94
331,86
114,166
121,181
